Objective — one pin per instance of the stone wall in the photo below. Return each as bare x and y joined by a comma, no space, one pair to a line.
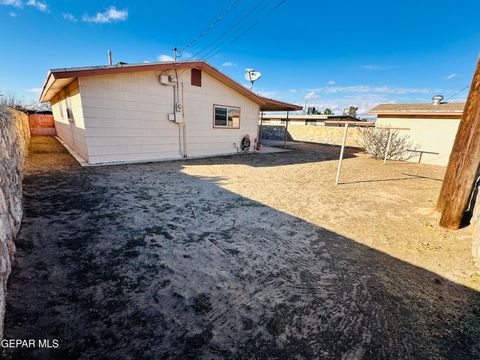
14,140
332,135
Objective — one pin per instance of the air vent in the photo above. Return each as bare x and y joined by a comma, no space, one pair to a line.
437,99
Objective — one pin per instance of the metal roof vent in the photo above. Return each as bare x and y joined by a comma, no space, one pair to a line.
437,99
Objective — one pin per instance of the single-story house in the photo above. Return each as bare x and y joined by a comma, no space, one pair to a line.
153,111
305,119
433,126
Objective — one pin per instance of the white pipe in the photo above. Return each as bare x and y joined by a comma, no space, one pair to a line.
341,154
388,145
185,152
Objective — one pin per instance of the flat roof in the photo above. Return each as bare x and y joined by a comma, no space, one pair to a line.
445,108
57,79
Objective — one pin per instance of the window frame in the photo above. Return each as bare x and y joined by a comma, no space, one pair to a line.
69,107
226,107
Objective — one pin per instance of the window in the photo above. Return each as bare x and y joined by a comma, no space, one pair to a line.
226,117
68,103
196,77
60,107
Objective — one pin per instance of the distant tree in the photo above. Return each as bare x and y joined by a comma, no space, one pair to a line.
328,111
313,111
11,100
351,111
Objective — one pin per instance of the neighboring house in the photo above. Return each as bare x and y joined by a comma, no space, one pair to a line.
153,111
305,119
433,126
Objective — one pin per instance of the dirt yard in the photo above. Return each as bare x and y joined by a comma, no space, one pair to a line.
242,257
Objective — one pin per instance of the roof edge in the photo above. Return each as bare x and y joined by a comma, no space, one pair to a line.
66,73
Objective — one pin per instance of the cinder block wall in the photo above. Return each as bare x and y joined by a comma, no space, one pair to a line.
14,141
332,135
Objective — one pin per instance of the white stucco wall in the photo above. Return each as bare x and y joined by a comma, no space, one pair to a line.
435,135
126,117
71,132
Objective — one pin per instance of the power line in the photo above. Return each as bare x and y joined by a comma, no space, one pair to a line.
211,26
218,48
457,92
230,29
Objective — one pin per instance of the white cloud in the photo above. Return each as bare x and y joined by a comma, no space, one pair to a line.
371,89
42,6
331,82
187,55
110,15
36,90
165,57
17,3
311,95
375,67
228,64
364,102
293,91
450,76
12,14
69,17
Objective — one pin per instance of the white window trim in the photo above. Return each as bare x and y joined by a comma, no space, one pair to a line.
228,107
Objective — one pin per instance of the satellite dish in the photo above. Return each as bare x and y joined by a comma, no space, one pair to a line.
252,75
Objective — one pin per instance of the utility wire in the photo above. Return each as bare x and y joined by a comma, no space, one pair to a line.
220,47
230,29
456,92
211,26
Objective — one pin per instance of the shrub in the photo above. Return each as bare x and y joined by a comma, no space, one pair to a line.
374,141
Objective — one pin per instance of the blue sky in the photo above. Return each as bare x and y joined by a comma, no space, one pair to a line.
328,53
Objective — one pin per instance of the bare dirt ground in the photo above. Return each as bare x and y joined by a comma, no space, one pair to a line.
255,256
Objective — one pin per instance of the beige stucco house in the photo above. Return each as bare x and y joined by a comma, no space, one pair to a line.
433,126
153,111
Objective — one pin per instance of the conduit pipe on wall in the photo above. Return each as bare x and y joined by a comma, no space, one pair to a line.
181,125
185,149
176,122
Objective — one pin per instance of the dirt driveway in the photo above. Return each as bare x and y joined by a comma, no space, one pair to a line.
245,257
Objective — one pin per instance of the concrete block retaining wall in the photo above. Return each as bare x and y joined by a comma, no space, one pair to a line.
332,135
14,141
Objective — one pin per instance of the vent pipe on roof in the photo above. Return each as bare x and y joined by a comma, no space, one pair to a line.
437,99
110,58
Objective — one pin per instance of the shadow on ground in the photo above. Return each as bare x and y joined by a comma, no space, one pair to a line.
144,261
